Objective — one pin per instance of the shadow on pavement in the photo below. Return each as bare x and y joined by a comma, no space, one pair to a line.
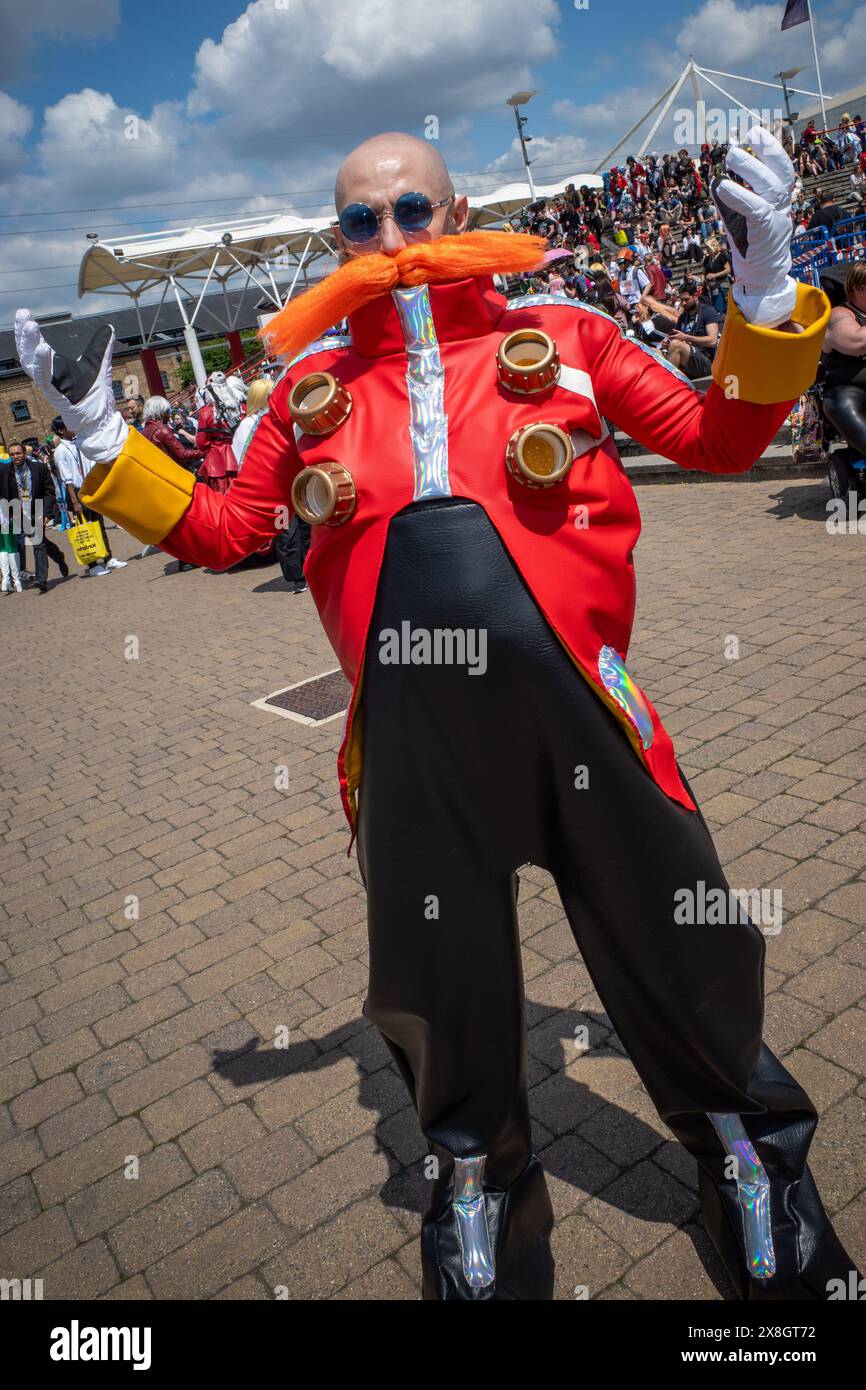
806,500
587,1168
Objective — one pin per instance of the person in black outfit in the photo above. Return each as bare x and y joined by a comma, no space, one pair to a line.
845,363
828,214
291,548
27,480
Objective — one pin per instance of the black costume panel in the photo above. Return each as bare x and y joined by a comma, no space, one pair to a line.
470,771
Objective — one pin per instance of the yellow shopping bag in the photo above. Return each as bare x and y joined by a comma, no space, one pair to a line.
85,537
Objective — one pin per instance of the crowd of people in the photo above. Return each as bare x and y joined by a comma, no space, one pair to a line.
40,484
617,247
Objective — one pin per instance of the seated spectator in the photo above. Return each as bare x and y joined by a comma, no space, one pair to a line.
634,282
828,214
692,344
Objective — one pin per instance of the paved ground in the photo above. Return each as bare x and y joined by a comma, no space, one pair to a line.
155,1143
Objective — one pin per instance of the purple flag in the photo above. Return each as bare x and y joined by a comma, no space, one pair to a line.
796,12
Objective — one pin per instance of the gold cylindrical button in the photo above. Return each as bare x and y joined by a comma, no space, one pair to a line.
539,454
319,403
527,362
324,494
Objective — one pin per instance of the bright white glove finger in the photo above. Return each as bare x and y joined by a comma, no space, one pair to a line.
773,155
762,179
34,354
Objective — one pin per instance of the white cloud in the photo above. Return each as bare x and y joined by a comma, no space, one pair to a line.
21,23
15,123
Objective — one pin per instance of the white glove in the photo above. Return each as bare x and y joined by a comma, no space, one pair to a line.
758,226
80,390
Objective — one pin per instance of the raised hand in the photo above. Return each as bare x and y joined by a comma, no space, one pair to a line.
79,389
759,228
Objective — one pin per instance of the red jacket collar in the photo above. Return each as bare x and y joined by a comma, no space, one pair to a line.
461,309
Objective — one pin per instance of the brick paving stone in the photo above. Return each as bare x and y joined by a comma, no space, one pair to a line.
294,1095
586,1259
251,920
337,1180
208,1262
44,1100
334,1254
88,1162
269,1162
150,1083
684,1267
387,1282
84,1273
641,1207
107,1068
220,1136
18,1202
166,1225
29,1247
178,1112
76,1124
68,1052
829,984
843,1041
96,1208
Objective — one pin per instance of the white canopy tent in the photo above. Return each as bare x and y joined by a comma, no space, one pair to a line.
192,261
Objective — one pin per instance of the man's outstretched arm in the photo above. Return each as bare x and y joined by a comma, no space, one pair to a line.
140,487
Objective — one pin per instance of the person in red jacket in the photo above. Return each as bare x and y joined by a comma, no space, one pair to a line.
155,426
220,414
472,564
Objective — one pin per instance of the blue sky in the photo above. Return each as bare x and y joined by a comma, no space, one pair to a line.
234,103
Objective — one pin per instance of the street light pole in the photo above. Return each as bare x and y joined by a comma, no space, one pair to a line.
517,100
785,77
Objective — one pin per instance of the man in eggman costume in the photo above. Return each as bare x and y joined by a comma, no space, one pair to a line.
466,497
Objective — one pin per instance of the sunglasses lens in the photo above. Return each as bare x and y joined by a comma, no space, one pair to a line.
413,212
358,222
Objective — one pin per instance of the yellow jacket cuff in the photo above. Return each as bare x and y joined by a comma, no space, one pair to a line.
144,490
764,365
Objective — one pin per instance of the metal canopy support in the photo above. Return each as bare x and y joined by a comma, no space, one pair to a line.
189,337
667,106
697,74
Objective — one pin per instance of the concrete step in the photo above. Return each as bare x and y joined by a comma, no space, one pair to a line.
776,462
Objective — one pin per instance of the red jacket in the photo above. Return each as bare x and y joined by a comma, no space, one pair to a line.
215,444
164,438
573,543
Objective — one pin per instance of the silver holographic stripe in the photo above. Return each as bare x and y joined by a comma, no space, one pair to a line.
753,1194
471,1213
425,378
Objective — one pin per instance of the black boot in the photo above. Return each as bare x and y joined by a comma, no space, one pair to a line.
482,1243
810,1263
770,1228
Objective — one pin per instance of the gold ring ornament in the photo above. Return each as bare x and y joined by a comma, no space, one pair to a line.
324,494
539,454
527,361
319,403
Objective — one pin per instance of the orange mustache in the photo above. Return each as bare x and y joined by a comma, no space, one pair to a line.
366,277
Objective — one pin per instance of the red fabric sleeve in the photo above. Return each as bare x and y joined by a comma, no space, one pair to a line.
656,407
219,529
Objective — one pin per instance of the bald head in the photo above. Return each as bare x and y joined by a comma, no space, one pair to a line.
385,157
380,169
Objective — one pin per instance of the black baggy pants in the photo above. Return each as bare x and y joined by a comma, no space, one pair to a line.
466,777
291,547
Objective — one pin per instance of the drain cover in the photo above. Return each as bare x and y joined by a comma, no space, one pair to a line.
317,700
